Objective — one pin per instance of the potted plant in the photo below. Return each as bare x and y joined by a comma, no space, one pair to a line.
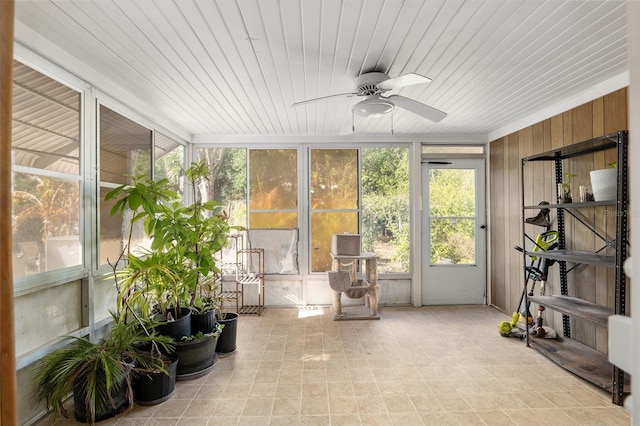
99,374
150,282
197,354
227,340
604,182
177,273
564,189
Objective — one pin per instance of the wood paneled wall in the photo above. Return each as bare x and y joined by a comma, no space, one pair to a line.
601,116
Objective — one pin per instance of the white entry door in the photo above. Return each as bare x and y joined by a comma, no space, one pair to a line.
453,232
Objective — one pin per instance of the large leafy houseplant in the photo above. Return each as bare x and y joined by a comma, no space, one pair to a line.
179,268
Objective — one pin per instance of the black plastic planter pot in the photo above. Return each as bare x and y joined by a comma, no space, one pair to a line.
204,322
196,357
156,387
178,328
227,339
119,401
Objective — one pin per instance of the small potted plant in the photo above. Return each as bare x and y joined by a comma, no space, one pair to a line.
564,189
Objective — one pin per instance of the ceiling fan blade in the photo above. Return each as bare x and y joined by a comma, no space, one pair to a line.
418,108
322,98
403,81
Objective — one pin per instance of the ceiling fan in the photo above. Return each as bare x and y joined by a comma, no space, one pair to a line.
374,85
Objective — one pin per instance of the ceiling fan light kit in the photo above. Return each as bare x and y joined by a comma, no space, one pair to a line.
373,106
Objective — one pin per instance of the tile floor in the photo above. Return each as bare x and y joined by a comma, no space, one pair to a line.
414,366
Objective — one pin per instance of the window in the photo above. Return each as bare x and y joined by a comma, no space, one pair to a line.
169,161
125,150
46,174
228,182
453,149
385,207
334,177
273,188
333,189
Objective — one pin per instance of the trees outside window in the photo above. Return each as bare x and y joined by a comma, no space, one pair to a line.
333,188
452,209
273,188
46,174
228,182
335,177
385,207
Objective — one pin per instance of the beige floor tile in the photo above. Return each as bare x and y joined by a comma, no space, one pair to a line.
284,420
495,418
258,407
201,408
366,389
263,390
438,418
172,408
428,366
254,420
555,416
398,403
340,389
230,407
470,418
313,406
127,421
599,416
371,405
375,420
342,405
287,406
163,421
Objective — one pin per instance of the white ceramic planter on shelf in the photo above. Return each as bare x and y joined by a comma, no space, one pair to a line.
604,184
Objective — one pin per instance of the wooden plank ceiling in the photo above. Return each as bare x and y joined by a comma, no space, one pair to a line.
234,67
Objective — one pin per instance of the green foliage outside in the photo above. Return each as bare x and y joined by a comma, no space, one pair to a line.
384,177
227,184
452,211
385,206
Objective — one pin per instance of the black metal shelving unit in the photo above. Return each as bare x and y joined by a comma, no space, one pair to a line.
574,356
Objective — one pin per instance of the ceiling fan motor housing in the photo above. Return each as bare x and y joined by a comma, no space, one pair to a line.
367,84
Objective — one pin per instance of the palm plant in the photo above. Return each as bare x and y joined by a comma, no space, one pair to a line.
95,372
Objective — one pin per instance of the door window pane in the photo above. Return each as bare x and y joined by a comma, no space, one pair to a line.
452,192
452,212
453,241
